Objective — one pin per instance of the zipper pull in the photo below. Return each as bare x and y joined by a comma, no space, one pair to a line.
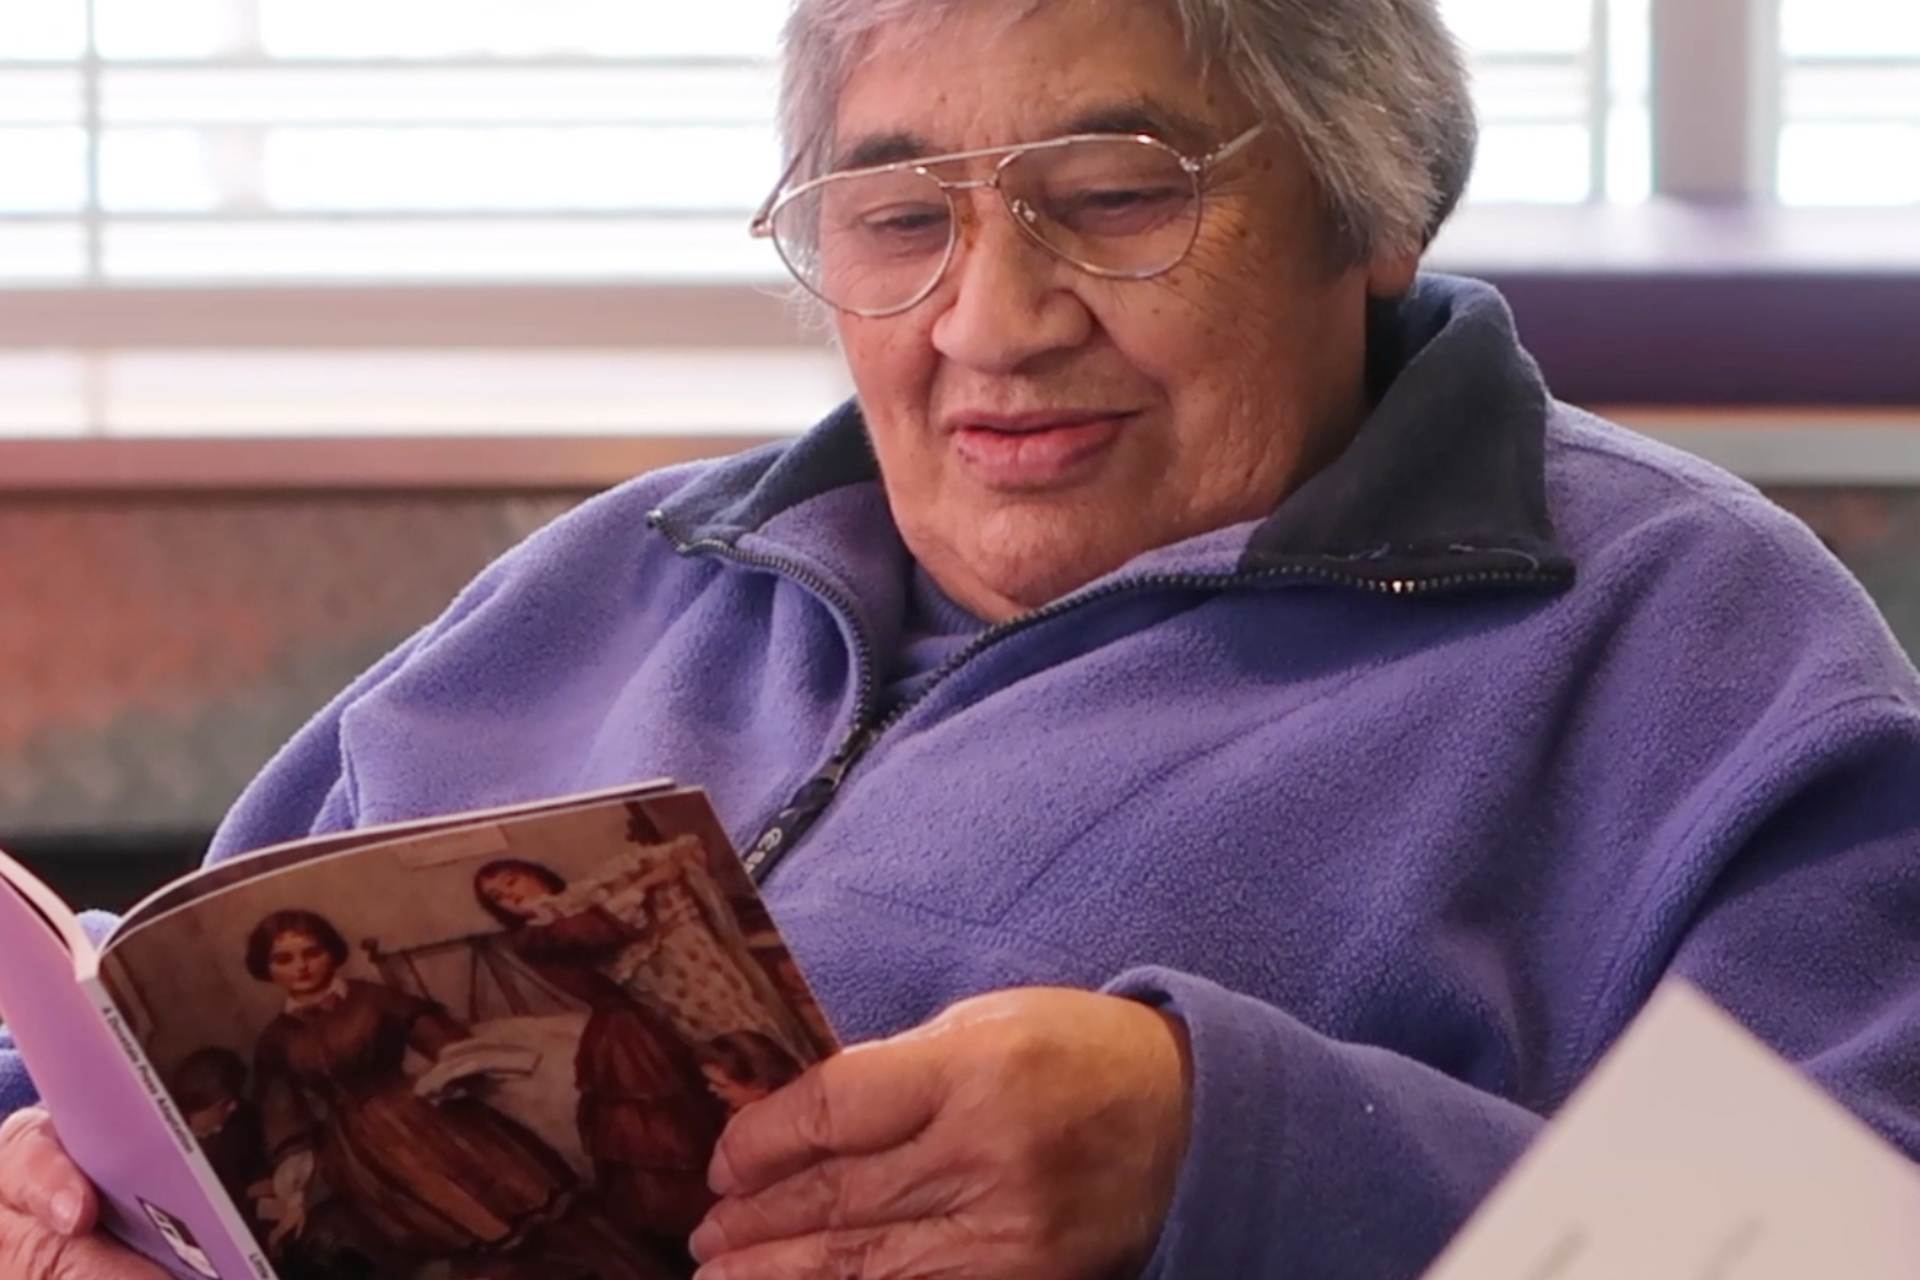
804,808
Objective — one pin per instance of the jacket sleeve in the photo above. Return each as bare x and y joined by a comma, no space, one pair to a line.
1310,1156
1313,1157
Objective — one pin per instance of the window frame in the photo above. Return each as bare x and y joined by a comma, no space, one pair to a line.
1606,295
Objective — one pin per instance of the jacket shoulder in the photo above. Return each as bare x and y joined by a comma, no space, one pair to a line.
1605,478
1615,494
1683,540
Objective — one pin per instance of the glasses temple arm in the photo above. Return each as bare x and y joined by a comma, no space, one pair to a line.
761,217
1227,150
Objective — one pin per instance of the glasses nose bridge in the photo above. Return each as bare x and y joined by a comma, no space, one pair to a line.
1017,208
968,184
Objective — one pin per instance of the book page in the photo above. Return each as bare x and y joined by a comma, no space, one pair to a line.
502,1047
260,862
1694,1153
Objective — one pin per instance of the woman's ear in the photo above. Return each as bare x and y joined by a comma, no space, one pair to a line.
1390,275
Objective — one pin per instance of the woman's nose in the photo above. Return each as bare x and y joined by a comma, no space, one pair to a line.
1005,301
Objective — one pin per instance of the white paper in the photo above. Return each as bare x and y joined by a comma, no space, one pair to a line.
1694,1153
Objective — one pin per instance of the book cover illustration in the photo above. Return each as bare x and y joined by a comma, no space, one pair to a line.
492,1051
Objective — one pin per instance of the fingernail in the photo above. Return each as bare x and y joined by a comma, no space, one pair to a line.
720,1176
66,1207
704,1242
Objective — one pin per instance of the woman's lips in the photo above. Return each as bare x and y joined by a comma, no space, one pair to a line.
1034,451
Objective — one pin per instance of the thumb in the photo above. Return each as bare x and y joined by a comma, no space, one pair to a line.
30,1252
38,1179
864,1099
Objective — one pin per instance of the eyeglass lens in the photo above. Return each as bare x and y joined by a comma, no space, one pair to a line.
876,242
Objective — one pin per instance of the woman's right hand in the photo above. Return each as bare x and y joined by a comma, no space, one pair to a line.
48,1212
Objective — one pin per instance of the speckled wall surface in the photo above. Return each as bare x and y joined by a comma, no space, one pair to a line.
155,651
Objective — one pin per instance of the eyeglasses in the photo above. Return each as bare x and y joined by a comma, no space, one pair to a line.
874,242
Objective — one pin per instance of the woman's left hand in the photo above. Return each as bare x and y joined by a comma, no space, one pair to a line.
1031,1133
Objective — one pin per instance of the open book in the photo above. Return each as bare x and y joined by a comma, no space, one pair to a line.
496,1045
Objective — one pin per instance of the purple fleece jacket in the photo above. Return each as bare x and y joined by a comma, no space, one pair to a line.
1400,813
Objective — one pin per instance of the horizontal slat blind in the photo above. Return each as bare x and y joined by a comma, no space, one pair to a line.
1850,102
1561,87
357,140
260,140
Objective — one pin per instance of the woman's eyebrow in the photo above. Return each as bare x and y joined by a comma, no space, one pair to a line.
881,148
1141,115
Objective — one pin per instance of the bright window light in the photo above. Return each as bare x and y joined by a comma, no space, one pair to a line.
45,169
519,28
1562,91
1850,103
369,139
43,29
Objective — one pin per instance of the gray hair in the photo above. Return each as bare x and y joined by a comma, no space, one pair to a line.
1375,93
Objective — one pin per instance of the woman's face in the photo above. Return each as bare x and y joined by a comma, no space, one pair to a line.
300,964
514,890
1037,426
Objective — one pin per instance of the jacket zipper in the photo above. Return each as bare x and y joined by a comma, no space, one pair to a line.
806,805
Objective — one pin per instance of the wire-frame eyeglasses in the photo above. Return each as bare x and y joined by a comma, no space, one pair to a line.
877,241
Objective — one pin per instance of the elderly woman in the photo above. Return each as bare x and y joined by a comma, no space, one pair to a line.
1231,743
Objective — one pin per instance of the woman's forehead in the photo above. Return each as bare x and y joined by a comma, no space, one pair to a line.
1138,114
971,78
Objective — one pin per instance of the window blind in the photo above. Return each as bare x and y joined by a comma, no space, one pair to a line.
253,140
216,141
1849,102
1562,91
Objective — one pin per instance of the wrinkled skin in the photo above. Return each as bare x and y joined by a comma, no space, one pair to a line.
1033,1133
48,1212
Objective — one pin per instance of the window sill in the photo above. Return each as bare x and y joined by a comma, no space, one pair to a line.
1813,446
1707,305
1678,238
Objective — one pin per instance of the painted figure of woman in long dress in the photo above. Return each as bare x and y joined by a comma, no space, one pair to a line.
646,1119
684,954
452,1179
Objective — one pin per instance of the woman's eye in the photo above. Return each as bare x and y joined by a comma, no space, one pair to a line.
1118,209
905,222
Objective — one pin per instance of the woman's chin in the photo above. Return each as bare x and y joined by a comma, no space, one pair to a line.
1030,558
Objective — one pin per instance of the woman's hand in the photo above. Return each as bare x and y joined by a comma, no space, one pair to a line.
48,1210
291,1179
1033,1133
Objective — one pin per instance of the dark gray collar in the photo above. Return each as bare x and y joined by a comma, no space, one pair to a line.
1445,479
